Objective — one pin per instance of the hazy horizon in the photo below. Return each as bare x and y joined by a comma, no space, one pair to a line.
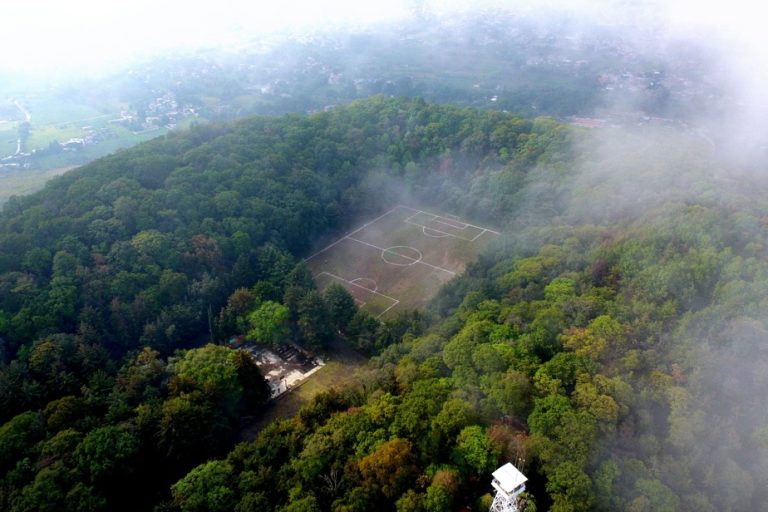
88,36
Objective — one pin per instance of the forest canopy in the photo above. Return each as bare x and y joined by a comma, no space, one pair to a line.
611,343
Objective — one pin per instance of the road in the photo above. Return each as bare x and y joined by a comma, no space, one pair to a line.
28,118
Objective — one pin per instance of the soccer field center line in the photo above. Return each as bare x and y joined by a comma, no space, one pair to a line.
414,260
445,217
355,231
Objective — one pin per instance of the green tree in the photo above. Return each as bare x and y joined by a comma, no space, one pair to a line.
475,451
411,501
570,487
341,306
255,388
190,428
207,488
18,435
305,504
362,331
107,453
269,324
314,323
300,277
213,368
437,499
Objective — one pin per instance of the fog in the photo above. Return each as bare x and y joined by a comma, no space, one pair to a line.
706,145
90,36
43,35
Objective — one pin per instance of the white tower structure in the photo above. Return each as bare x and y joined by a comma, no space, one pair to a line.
509,483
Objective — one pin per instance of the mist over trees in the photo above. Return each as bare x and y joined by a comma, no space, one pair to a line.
611,342
133,256
593,342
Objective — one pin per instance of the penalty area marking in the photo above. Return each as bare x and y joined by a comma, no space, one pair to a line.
438,226
454,224
443,234
447,217
433,233
395,301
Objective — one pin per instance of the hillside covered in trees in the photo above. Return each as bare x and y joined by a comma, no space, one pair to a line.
612,342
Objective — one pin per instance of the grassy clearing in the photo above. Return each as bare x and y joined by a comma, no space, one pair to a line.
8,138
41,137
124,138
53,111
26,181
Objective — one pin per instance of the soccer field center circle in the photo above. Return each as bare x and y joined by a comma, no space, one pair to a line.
401,255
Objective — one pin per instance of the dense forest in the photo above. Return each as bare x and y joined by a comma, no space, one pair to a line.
610,344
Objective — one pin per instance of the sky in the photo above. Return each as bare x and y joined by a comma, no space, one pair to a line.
47,35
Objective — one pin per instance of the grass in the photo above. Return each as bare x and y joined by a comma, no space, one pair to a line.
41,137
26,181
55,111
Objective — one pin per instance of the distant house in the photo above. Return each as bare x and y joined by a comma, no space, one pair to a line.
73,144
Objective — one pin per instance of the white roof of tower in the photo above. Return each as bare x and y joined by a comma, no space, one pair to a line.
509,477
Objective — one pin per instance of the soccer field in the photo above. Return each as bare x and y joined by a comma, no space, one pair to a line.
399,259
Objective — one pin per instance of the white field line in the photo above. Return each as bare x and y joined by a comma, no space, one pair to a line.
454,226
375,284
395,302
419,212
384,312
357,285
420,262
423,227
424,230
413,260
478,235
355,231
443,234
446,217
